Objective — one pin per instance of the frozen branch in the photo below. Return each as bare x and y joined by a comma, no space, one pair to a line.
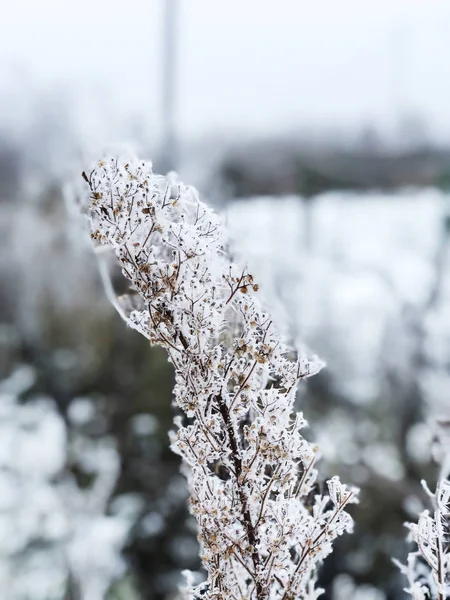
428,568
263,527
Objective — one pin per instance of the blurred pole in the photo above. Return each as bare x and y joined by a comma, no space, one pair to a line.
399,70
169,150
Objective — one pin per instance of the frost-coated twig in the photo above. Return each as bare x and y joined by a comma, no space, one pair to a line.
428,568
263,528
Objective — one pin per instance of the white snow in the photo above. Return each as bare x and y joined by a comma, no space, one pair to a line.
49,527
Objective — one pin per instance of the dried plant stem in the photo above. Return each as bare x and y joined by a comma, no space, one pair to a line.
235,382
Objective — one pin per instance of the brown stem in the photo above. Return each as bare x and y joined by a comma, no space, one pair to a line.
249,528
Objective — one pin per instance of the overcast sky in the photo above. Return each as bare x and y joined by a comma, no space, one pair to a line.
251,66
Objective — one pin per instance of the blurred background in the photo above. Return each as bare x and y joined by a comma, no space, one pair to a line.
321,131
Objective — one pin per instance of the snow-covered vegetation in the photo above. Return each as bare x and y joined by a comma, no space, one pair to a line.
263,524
55,537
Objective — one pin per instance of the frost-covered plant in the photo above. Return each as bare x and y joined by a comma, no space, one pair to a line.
263,525
428,568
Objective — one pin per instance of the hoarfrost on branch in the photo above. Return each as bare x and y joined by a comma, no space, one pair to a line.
263,525
428,568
